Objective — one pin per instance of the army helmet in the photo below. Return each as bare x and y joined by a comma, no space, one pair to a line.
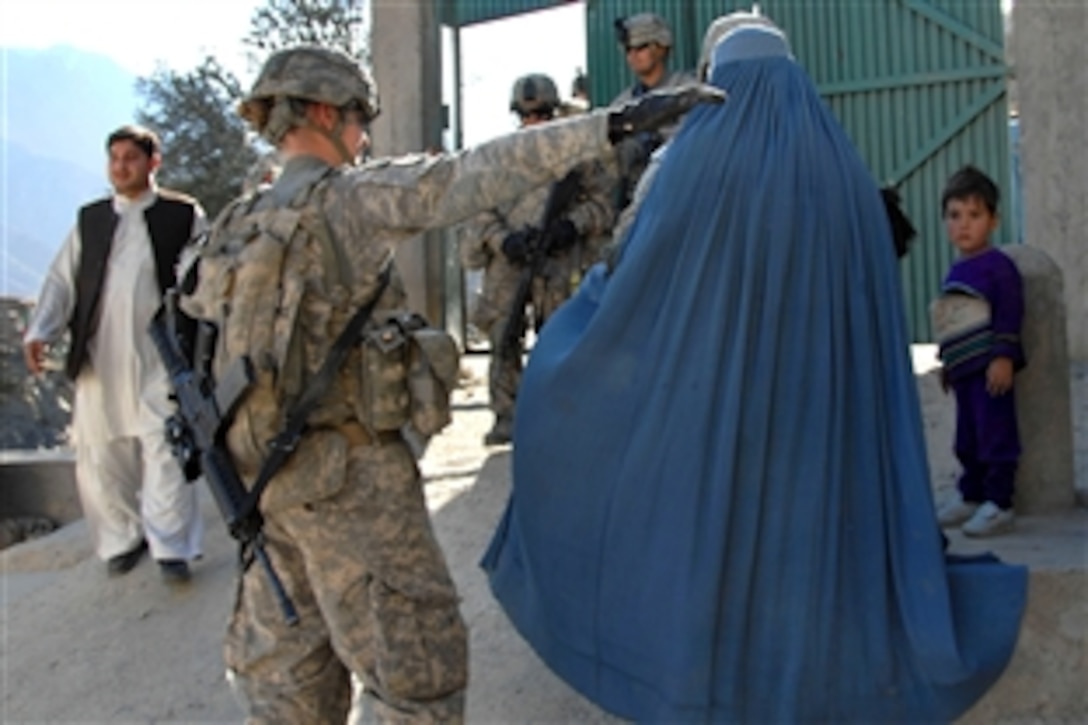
643,29
311,73
534,92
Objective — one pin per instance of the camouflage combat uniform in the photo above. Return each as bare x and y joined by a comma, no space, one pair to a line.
672,79
633,154
481,248
346,525
715,32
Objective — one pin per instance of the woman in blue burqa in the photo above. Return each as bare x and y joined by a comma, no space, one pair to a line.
721,507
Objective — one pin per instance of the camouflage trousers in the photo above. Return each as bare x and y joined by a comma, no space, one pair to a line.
504,375
374,598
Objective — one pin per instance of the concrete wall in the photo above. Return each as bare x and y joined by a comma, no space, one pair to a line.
1052,79
39,483
405,45
1045,478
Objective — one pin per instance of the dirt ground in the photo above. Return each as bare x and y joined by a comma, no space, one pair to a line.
78,647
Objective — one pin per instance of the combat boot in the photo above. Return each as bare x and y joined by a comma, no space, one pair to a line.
501,433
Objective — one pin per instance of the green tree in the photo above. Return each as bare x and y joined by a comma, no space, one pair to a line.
206,150
330,23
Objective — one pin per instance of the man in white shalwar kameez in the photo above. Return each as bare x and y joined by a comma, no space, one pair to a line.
133,492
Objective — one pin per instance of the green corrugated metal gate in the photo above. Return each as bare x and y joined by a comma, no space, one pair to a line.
918,84
459,13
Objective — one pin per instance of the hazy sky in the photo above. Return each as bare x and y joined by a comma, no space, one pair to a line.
494,55
135,33
138,34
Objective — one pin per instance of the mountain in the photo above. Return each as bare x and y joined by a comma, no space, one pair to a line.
63,102
58,107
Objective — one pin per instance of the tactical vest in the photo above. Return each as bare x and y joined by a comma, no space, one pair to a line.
169,225
277,284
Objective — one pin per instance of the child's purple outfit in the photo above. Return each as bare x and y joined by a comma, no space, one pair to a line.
987,440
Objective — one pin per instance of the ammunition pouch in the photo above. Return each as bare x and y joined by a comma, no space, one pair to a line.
407,372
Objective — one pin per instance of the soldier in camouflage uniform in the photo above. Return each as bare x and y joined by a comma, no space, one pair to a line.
345,522
647,41
496,242
715,32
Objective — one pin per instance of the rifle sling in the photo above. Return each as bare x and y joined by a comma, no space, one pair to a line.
283,445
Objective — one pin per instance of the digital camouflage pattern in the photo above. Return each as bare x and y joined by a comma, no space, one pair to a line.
481,248
534,92
644,28
434,361
347,528
374,596
672,79
310,73
632,155
408,372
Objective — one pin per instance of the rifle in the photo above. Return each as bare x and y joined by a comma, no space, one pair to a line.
633,156
562,193
196,431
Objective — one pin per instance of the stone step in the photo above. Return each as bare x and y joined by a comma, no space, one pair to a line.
1047,678
39,483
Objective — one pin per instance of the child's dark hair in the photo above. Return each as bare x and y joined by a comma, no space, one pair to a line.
969,182
144,138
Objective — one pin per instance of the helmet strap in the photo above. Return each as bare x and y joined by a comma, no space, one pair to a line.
338,141
334,138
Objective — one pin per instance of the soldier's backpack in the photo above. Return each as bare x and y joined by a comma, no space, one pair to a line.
255,273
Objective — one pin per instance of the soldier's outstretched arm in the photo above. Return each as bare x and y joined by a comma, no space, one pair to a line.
404,196
488,229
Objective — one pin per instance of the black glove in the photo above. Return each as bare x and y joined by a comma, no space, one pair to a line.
633,154
515,247
659,108
563,234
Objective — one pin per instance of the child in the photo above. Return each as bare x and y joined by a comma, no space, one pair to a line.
977,321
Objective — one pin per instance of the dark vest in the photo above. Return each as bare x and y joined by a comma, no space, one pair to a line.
169,225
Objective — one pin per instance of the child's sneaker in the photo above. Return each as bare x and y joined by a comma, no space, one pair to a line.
955,512
989,520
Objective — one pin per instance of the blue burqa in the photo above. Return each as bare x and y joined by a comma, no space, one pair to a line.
721,507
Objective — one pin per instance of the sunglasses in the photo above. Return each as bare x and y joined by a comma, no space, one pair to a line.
358,112
633,48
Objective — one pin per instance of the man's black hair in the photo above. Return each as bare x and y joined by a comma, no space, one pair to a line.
969,182
144,138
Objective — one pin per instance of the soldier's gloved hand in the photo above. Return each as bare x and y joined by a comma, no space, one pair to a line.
563,234
659,108
633,153
515,247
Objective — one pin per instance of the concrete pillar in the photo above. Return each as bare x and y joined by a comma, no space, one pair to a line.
1045,479
405,46
1051,57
